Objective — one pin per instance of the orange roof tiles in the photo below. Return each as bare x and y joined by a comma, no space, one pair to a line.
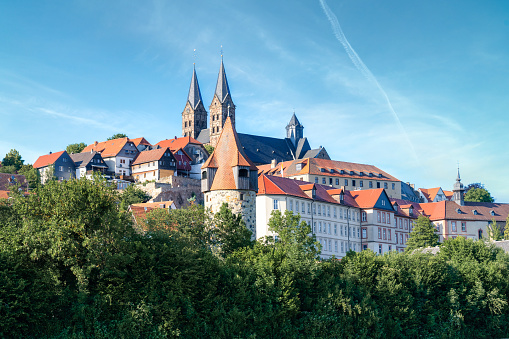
4,194
48,159
148,156
367,198
176,143
227,154
109,148
314,166
140,141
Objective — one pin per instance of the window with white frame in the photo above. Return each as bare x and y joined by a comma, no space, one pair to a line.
364,233
341,230
342,247
297,206
358,232
309,208
336,246
291,205
364,216
328,211
335,213
378,216
276,204
330,245
303,208
328,227
323,209
320,226
335,229
314,227
319,210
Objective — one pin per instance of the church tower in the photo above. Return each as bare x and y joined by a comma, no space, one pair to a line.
457,195
230,176
221,107
194,116
294,130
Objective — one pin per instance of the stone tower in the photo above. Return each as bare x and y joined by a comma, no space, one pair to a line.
294,130
457,195
221,107
194,116
230,176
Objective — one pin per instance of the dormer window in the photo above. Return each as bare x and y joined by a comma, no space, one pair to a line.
322,169
370,174
313,192
342,172
459,211
379,175
361,173
492,212
351,172
341,196
331,170
298,167
473,211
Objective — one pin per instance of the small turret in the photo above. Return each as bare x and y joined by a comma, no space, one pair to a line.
458,190
294,130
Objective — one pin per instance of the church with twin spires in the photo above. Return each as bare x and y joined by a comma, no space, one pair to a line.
260,149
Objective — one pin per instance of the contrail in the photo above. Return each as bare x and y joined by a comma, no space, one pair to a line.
357,61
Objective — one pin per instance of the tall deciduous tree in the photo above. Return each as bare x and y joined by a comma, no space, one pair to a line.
31,174
494,231
132,195
292,231
478,195
13,158
75,148
117,136
423,234
229,231
210,149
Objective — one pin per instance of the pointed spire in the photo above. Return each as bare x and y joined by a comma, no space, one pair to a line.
222,89
294,121
194,96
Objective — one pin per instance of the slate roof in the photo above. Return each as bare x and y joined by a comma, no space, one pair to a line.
261,150
83,159
194,96
222,88
47,159
204,136
109,148
184,159
294,121
148,156
302,148
313,153
227,154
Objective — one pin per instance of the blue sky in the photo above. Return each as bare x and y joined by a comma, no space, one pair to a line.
411,87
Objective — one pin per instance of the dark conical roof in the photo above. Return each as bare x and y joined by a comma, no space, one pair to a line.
294,121
222,89
194,96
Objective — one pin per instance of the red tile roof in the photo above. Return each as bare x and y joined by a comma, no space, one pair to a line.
227,154
140,141
176,143
48,159
4,194
6,180
109,148
148,156
367,198
314,166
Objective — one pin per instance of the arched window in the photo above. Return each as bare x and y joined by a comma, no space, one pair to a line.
204,175
243,173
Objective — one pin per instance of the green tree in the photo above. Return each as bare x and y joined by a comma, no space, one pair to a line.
31,174
13,158
494,231
75,148
117,136
291,231
506,228
132,195
8,169
210,149
478,195
229,231
423,234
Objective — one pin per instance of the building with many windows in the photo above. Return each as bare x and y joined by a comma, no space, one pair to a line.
332,213
350,176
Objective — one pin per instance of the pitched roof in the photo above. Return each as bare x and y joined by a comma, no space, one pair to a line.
48,159
222,89
273,185
194,96
183,160
159,204
4,194
227,154
83,159
148,156
332,168
261,150
177,143
140,211
109,148
367,198
294,121
7,179
140,141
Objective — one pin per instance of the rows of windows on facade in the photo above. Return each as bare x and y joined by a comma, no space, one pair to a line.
354,182
321,228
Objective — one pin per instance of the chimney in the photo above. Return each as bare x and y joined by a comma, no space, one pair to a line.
95,143
50,152
273,163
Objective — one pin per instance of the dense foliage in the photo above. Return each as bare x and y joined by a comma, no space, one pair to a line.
478,195
117,136
72,265
75,148
423,234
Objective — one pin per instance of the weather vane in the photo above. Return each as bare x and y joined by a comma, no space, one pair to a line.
221,51
194,56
